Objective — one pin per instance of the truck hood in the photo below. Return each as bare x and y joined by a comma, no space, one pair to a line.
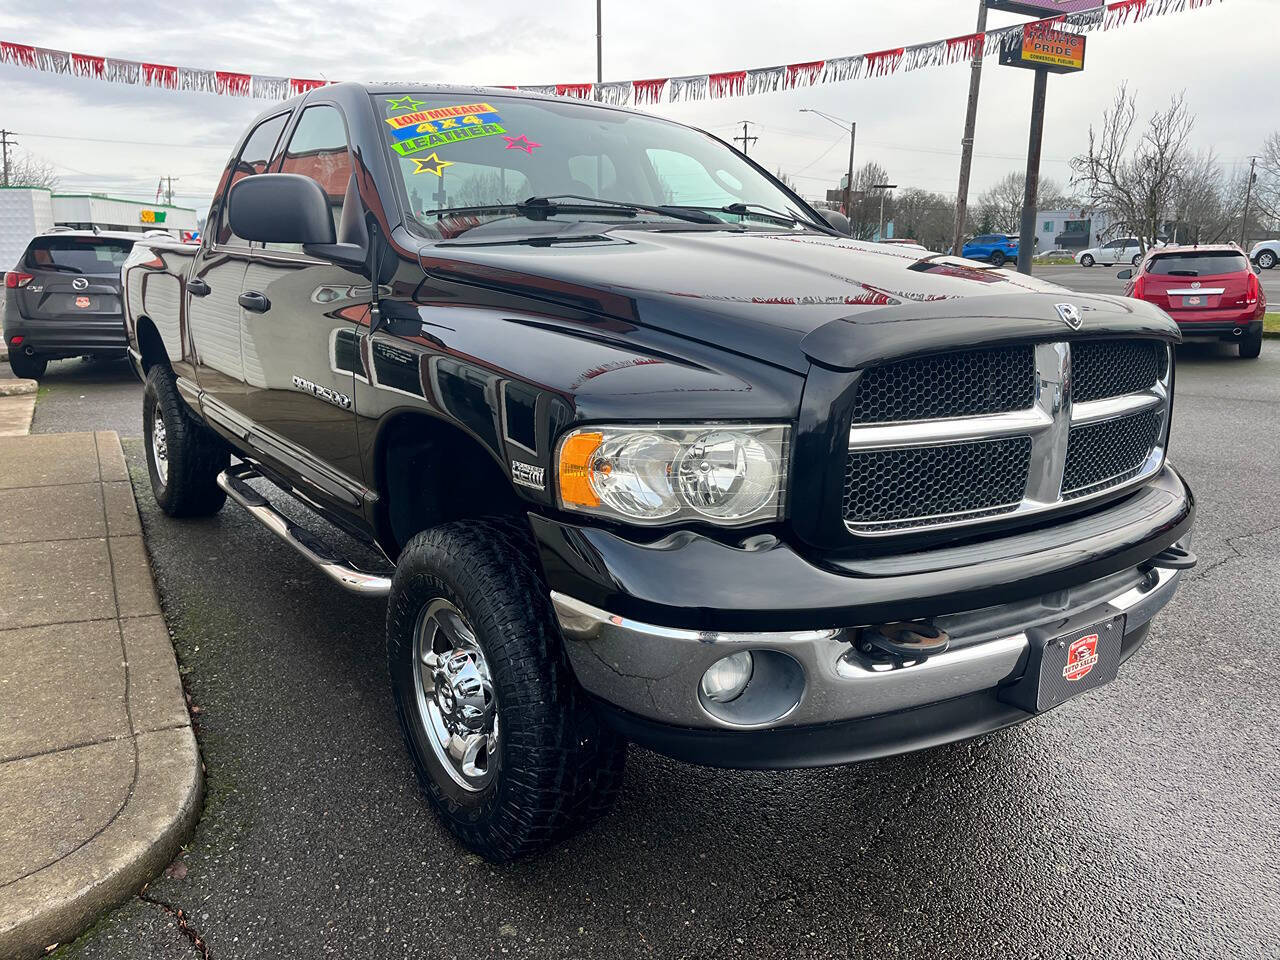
757,294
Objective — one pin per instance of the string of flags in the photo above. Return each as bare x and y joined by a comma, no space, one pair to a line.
712,86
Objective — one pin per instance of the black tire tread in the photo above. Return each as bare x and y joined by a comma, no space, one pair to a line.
563,766
196,454
1250,348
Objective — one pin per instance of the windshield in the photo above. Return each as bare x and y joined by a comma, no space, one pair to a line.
78,254
1205,264
464,151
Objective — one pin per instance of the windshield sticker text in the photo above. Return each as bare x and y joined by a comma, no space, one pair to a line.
434,127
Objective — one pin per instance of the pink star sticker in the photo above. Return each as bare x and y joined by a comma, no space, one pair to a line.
521,143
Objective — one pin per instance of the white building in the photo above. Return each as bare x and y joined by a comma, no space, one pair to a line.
1071,229
27,211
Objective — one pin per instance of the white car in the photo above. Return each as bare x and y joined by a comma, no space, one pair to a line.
1124,250
1265,253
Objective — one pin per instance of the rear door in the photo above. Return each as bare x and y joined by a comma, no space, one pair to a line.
75,282
213,290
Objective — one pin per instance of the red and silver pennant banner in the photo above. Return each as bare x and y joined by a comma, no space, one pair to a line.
706,86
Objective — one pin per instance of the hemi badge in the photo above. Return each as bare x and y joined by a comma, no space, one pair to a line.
527,475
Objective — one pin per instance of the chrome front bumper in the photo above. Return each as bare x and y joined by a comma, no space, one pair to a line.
654,672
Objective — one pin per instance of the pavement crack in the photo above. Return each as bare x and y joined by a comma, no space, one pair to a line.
180,917
1230,543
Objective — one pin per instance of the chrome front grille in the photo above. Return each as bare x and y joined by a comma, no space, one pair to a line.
1092,419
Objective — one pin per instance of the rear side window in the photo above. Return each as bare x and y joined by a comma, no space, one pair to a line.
90,255
253,159
1195,264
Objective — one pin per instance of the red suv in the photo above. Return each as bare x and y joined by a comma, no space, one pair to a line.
1211,292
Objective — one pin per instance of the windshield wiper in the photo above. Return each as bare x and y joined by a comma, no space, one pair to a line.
742,209
540,208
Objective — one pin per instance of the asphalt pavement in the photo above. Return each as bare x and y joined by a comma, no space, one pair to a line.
1136,821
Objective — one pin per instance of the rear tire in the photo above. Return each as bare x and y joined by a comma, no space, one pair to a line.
184,457
1087,260
543,765
1137,259
26,367
997,259
1251,346
1267,259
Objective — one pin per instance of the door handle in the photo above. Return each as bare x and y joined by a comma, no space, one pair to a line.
255,301
198,288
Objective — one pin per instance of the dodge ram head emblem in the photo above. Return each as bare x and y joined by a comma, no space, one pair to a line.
1082,656
1069,314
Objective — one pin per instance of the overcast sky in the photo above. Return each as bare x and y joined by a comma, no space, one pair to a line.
121,139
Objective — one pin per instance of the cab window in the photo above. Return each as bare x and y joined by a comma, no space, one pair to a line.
254,157
318,149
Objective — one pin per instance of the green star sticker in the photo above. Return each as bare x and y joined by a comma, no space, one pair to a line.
405,103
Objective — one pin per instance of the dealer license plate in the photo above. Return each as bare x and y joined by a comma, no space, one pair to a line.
1196,301
1079,661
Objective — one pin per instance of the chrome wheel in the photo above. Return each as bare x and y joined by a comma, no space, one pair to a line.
456,706
159,446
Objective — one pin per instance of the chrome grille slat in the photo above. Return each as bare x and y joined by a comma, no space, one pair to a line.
927,474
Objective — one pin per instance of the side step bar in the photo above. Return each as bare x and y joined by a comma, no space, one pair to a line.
338,569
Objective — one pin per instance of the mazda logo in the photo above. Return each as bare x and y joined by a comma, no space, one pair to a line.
79,283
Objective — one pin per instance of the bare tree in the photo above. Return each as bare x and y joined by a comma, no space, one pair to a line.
1268,185
1000,207
29,171
924,216
786,179
864,212
1135,174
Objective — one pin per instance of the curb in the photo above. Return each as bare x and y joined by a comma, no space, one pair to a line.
17,388
100,776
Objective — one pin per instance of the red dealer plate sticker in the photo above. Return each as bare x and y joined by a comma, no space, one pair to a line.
1082,657
83,303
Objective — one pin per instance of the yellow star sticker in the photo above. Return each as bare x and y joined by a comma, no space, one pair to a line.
431,164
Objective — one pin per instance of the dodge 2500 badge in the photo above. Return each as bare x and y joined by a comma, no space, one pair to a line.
653,452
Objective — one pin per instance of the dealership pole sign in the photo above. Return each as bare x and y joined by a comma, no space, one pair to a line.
1040,47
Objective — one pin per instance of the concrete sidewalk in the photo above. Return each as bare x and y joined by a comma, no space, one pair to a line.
99,774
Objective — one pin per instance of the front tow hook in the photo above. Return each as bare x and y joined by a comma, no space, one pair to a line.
1171,558
904,642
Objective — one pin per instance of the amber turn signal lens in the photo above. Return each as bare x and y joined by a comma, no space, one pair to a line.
575,469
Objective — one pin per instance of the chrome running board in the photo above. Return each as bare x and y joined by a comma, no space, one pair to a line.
340,570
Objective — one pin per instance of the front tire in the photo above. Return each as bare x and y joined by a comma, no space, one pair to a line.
505,744
1137,259
184,457
27,367
1267,259
997,259
1250,347
1087,260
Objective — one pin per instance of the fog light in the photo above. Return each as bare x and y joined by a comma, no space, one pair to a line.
726,679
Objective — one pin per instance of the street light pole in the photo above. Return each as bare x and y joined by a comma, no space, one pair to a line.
853,136
599,48
882,187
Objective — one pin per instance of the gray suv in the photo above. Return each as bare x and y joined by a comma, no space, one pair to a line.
63,299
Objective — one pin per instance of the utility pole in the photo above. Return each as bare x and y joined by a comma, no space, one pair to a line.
744,138
5,143
599,48
970,122
168,194
1248,198
1026,238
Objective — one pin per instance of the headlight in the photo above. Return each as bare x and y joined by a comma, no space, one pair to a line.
724,474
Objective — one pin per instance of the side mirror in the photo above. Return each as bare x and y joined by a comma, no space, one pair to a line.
836,221
1124,275
280,208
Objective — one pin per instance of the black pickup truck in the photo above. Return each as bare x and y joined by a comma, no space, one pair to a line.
653,452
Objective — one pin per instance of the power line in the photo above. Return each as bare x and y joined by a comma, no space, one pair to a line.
131,143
